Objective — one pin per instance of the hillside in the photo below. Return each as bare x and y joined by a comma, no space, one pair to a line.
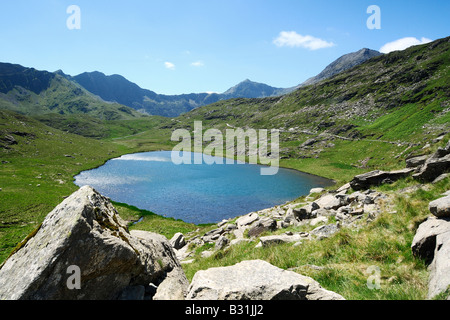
389,106
32,92
373,116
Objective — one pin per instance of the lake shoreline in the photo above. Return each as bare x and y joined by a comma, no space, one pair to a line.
325,183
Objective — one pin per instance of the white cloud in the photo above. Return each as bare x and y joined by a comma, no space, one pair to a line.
403,43
169,65
197,64
293,39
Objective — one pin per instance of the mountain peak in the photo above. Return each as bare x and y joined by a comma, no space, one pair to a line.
251,89
343,63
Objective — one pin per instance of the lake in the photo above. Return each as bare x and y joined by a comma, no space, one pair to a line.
195,193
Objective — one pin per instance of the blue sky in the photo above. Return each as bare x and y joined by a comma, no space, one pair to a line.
184,46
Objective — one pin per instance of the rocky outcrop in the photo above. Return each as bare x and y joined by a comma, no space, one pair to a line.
441,207
255,280
432,243
374,178
435,165
83,250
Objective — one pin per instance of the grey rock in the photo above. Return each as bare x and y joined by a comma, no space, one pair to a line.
84,231
440,207
212,235
230,227
278,239
424,242
174,286
247,219
309,143
178,241
441,177
264,224
416,161
344,188
325,231
437,164
439,279
316,190
305,212
377,177
255,280
221,243
329,201
433,168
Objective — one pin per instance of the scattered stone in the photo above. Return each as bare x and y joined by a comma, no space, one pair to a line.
441,177
305,212
328,202
178,241
255,280
440,207
264,224
318,220
247,219
221,243
278,239
377,177
344,188
9,140
416,161
316,190
325,231
212,235
437,164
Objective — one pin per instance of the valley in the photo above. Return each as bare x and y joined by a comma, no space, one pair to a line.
373,116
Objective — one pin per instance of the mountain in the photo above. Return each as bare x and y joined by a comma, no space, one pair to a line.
345,62
116,88
250,89
32,92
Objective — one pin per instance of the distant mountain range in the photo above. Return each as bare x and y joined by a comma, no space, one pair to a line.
32,92
106,96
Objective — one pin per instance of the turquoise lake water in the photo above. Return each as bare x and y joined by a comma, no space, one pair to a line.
195,193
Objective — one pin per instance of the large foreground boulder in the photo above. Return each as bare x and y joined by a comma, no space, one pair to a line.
439,280
432,243
255,280
424,242
83,250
